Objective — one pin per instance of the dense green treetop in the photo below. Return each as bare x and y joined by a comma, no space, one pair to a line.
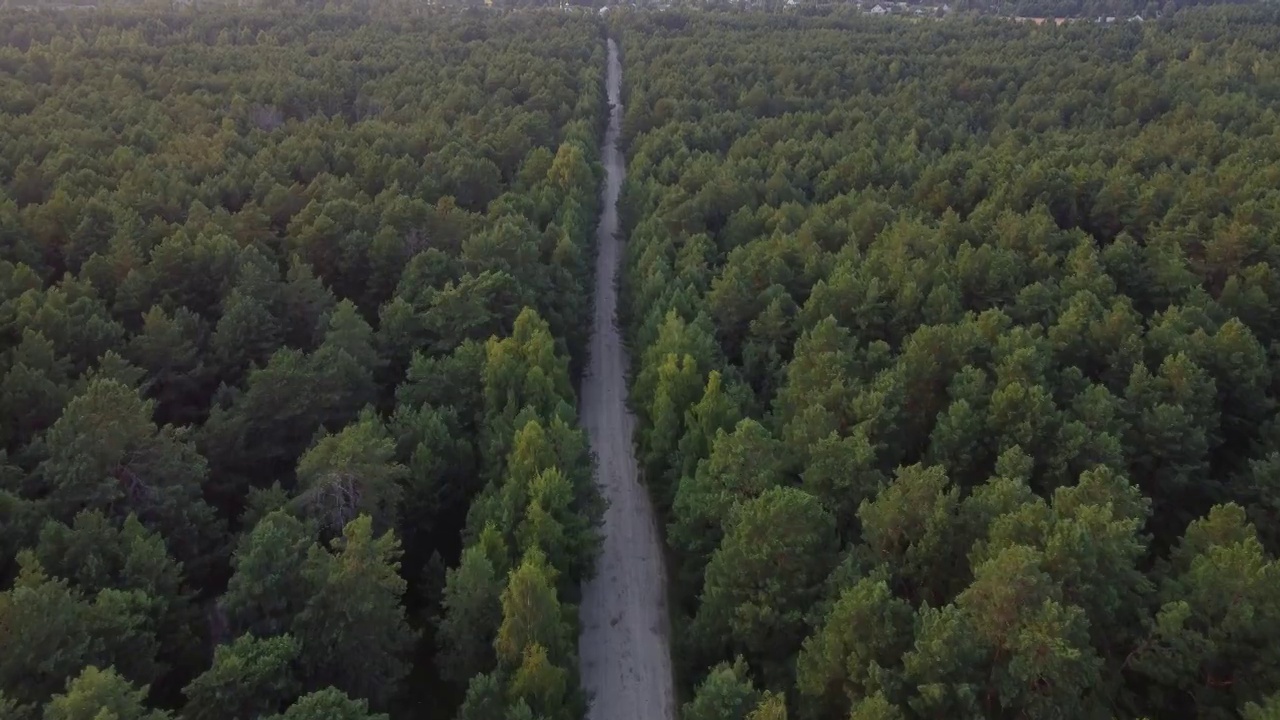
281,290
956,366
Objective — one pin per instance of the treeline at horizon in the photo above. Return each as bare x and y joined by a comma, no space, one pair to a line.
1090,9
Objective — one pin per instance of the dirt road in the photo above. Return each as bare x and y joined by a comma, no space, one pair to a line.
625,656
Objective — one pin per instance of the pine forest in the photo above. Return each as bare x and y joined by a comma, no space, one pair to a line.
943,381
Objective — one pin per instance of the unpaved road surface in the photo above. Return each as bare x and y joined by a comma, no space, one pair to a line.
624,653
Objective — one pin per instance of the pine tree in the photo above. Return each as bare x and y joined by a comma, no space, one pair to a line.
764,577
471,614
249,678
328,704
352,632
96,694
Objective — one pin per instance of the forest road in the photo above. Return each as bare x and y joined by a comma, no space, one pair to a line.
624,650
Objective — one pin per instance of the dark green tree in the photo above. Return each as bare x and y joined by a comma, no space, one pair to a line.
97,694
250,677
764,577
352,631
328,704
727,693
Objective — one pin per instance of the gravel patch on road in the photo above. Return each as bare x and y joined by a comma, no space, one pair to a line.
624,651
